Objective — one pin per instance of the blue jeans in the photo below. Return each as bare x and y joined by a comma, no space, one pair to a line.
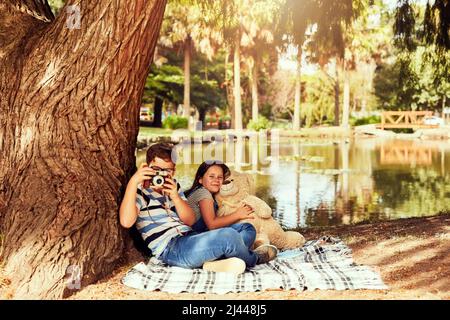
194,249
246,230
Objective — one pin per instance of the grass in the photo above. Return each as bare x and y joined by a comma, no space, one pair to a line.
159,132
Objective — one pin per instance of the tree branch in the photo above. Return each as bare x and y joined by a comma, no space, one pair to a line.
38,9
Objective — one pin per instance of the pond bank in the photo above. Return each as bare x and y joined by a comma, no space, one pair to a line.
148,136
411,255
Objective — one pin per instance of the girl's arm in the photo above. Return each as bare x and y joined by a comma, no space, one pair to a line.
184,211
214,222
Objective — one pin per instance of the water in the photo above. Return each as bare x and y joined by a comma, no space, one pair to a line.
328,183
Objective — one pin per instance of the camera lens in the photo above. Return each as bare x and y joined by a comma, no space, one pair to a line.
158,181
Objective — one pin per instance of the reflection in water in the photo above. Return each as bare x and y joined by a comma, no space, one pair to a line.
332,183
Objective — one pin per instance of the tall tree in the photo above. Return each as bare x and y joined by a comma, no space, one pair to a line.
258,41
328,41
228,15
294,21
433,34
69,115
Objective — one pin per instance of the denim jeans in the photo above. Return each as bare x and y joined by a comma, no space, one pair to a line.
194,249
246,230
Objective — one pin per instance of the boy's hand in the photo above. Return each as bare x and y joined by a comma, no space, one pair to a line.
170,188
143,173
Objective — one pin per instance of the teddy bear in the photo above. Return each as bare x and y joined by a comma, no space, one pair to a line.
238,190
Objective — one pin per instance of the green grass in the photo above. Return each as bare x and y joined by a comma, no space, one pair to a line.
160,132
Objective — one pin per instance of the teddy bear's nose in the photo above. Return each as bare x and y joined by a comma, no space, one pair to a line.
227,182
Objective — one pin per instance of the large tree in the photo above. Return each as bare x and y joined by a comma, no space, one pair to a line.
69,113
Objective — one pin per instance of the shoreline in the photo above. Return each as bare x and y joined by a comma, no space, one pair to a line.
150,135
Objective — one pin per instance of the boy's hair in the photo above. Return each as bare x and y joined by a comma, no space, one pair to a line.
161,150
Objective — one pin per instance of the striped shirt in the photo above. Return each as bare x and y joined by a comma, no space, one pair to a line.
157,225
194,198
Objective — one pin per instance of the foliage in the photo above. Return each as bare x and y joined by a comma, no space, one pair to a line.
56,5
175,122
365,120
225,117
260,124
435,29
410,83
166,82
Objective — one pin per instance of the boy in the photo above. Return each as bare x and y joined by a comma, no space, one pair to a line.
164,219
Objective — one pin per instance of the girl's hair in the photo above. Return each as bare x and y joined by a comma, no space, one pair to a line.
201,171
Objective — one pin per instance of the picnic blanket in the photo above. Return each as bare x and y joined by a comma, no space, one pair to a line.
325,263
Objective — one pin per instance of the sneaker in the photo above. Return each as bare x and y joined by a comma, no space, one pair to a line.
230,265
266,253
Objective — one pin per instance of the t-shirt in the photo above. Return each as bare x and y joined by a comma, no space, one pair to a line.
194,198
156,224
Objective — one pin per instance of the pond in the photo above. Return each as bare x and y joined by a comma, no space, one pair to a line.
334,182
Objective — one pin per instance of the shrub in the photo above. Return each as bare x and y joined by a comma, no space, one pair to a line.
175,122
226,117
260,124
366,120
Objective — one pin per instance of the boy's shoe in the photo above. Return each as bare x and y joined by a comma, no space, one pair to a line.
230,265
266,253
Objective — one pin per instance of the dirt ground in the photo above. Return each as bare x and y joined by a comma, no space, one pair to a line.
412,255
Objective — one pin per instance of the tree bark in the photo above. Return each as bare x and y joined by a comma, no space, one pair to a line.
237,84
69,119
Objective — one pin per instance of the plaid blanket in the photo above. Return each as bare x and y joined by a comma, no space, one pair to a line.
325,263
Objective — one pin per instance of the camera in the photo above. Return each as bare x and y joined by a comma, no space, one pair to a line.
157,180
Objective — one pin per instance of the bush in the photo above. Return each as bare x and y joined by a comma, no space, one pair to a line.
175,122
226,117
366,120
260,124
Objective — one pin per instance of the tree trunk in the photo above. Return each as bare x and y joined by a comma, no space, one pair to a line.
237,85
187,78
336,94
157,112
202,115
254,85
346,104
298,91
230,96
69,119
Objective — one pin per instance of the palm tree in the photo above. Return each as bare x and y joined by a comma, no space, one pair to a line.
259,23
187,27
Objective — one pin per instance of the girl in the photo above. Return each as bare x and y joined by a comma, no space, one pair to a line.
209,178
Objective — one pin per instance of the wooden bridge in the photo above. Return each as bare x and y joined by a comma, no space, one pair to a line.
404,119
